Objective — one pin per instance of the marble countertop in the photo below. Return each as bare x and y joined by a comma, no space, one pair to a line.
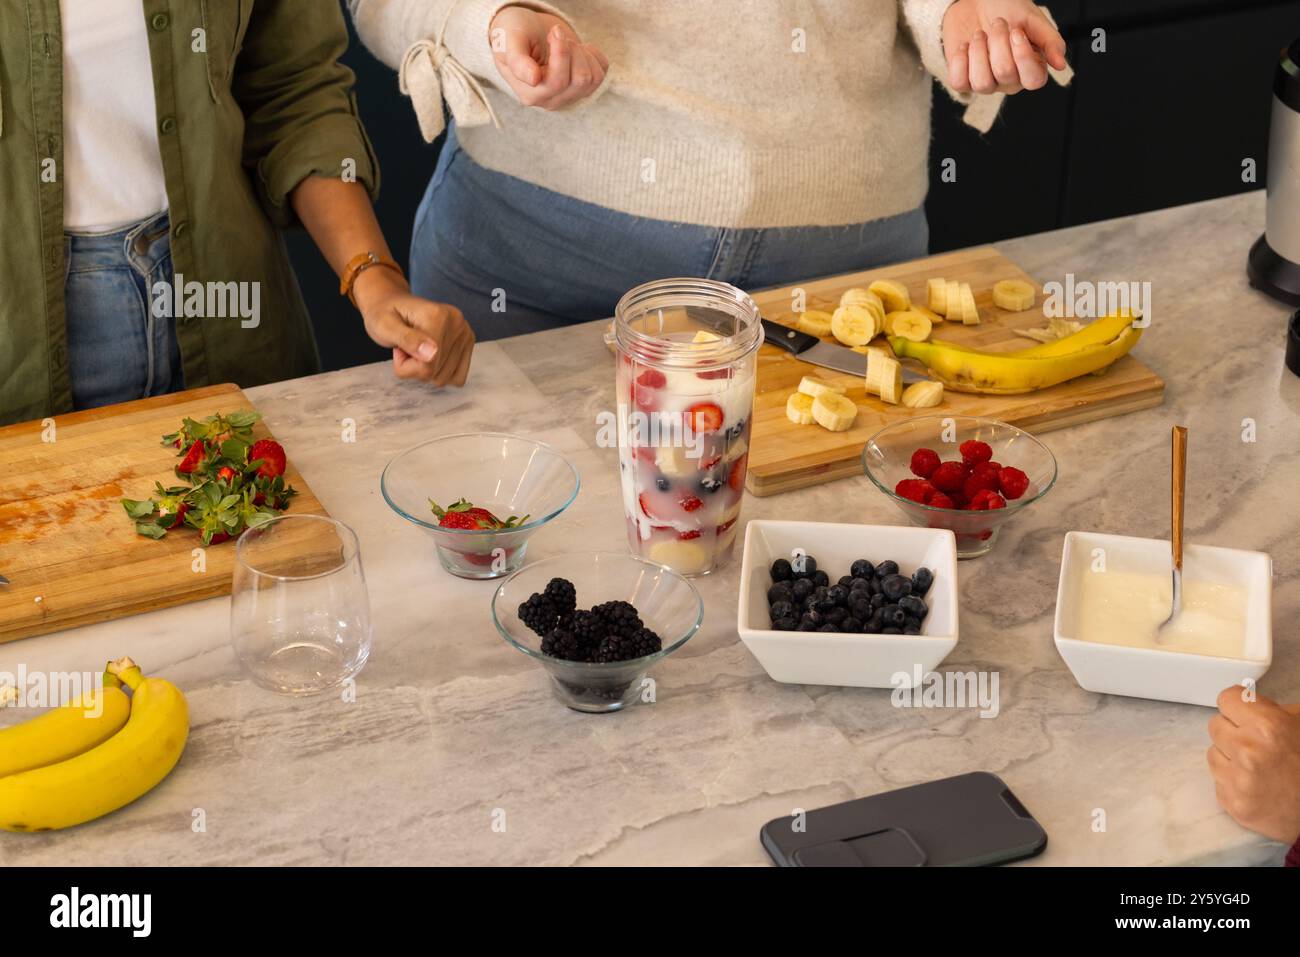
454,733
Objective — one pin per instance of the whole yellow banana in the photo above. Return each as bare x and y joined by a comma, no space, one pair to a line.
65,731
995,373
1098,331
109,776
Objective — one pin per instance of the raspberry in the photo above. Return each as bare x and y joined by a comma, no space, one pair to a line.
974,451
689,503
980,468
652,379
978,480
979,501
939,500
995,501
914,490
924,462
958,500
995,466
1013,482
948,477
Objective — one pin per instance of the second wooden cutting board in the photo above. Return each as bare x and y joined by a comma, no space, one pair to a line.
70,552
785,456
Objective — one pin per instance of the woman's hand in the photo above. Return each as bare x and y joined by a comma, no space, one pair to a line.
999,46
430,340
1255,761
542,60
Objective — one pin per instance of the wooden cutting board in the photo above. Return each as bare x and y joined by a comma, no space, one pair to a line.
69,550
785,456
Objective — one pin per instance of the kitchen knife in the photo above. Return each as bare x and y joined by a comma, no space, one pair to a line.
3,580
819,353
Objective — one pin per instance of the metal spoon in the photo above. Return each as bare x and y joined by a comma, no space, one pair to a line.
1178,483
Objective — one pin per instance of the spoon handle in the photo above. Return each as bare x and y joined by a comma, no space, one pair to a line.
1178,486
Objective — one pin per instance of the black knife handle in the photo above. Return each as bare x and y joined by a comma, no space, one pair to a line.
791,340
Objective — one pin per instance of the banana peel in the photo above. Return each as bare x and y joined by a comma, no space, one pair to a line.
1015,373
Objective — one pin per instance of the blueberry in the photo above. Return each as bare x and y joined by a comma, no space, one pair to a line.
922,579
878,601
837,615
862,569
860,584
891,630
838,594
913,606
911,629
710,483
781,591
806,625
662,484
813,617
860,608
805,566
829,627
875,622
893,615
802,588
786,624
846,581
736,431
886,568
895,587
851,625
874,586
782,609
781,570
821,578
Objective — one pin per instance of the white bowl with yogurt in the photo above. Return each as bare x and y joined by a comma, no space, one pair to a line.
1114,592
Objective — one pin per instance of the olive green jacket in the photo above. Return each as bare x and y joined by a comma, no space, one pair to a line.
251,99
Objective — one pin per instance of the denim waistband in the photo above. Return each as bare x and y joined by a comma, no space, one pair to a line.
142,245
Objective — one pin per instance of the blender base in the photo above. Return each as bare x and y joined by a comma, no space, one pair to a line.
1272,274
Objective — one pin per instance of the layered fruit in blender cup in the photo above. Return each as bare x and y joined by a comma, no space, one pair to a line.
685,391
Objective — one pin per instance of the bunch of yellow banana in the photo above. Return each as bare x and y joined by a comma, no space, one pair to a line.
99,753
961,369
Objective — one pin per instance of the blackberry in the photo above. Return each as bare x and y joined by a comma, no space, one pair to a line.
618,617
561,643
587,628
539,613
638,644
562,595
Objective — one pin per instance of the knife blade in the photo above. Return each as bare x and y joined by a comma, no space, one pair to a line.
3,580
811,349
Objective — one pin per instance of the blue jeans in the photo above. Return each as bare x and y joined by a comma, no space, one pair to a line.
117,349
482,238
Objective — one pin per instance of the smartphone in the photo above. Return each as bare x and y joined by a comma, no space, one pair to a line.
964,821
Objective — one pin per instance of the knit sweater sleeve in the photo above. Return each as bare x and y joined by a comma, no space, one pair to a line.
389,28
924,20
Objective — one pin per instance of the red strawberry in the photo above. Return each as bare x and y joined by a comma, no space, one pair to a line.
271,453
459,520
939,500
227,474
736,477
924,462
644,510
715,373
192,458
462,514
652,379
974,451
704,417
948,477
218,538
688,535
724,526
1013,482
689,503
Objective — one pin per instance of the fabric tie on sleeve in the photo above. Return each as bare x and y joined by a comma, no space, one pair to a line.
429,75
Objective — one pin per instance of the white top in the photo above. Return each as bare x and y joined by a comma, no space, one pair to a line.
112,171
733,113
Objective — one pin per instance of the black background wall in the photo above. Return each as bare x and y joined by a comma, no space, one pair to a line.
1166,115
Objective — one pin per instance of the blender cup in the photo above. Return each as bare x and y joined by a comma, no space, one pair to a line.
685,393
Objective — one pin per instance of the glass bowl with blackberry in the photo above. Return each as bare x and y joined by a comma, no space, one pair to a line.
597,622
959,472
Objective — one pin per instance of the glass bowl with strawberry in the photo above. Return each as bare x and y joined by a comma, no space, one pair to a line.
960,472
480,496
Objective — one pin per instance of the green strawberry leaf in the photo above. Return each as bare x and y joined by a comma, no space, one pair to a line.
150,529
235,449
137,509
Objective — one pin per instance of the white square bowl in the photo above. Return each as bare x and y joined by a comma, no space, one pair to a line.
1153,672
858,661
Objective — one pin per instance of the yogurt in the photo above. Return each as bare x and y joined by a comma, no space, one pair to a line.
1127,608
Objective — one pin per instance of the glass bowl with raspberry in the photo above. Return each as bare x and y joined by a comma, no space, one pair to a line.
480,496
597,622
960,472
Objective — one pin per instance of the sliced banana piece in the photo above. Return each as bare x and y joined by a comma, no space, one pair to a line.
681,556
1014,295
858,296
936,295
813,386
854,325
798,408
923,395
893,294
703,335
970,314
930,314
834,413
891,385
815,322
671,460
910,325
879,365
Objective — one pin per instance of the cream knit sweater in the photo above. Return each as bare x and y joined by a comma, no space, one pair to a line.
737,113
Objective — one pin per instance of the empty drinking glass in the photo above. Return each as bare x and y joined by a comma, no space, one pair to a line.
299,612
